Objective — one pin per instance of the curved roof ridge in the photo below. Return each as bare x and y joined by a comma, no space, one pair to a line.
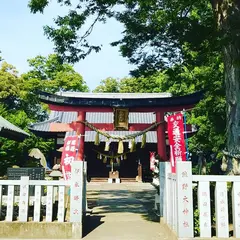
44,122
114,95
151,101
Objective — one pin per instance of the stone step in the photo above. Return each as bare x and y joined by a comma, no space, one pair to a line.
99,179
106,179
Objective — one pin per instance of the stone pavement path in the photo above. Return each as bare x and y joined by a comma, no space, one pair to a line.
122,211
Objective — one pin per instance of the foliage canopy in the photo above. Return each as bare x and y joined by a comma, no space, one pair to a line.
20,105
163,35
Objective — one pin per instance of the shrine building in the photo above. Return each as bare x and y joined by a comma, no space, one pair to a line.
119,115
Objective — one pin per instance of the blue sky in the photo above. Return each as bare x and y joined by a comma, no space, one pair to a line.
22,38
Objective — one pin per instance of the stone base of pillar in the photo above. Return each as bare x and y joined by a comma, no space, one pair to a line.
138,179
117,180
111,180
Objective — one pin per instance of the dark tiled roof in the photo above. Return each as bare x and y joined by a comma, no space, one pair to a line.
8,130
128,100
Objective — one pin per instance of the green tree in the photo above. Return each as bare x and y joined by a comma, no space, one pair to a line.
50,74
20,105
108,85
159,34
208,115
10,85
147,84
132,84
17,111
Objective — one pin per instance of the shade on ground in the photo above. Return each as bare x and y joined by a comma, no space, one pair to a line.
122,211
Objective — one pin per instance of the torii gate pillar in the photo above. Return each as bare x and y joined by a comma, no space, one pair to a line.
81,131
161,137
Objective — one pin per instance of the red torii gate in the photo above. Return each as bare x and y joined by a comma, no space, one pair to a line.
103,103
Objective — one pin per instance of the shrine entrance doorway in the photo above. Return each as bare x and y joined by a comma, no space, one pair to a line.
136,166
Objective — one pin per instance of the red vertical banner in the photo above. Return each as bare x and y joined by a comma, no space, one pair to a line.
69,153
176,139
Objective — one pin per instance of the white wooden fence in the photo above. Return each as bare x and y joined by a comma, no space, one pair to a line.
178,207
46,193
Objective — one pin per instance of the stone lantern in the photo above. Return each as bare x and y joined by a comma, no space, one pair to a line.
55,174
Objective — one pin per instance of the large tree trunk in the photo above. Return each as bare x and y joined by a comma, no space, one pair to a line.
227,14
231,55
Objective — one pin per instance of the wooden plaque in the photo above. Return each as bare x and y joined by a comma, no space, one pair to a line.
121,119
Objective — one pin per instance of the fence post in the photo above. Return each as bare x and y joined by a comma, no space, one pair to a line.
204,209
61,200
162,186
236,209
170,200
24,198
76,195
84,201
10,200
37,203
49,204
184,200
221,206
1,200
166,193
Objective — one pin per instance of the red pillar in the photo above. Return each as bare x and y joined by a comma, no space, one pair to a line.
161,137
81,131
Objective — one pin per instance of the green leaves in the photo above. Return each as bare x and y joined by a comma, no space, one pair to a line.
50,74
10,83
20,105
37,5
155,31
176,46
108,85
183,79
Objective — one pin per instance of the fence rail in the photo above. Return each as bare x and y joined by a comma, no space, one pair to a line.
49,200
19,207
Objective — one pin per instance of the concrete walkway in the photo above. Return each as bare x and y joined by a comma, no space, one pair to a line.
122,211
